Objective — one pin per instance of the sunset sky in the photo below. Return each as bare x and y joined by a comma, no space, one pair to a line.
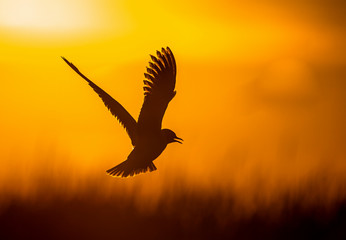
260,104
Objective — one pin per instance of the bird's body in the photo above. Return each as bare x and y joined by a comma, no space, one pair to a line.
147,137
142,155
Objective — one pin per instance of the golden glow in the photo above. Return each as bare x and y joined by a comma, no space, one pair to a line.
53,17
39,14
259,94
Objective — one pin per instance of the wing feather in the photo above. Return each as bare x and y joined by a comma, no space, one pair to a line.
155,67
158,91
172,60
157,61
117,110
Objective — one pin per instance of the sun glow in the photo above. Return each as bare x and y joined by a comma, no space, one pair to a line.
52,16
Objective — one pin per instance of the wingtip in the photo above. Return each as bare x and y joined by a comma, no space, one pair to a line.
153,58
63,58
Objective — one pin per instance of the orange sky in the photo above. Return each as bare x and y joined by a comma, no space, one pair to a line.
260,93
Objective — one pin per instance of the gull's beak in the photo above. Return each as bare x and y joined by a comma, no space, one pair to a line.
178,140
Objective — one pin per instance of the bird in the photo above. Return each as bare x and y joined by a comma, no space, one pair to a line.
148,138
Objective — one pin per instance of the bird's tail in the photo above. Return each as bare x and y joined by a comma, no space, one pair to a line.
130,168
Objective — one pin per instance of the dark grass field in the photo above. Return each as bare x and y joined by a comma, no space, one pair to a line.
183,216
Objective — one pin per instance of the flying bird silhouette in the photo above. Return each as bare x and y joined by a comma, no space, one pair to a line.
147,137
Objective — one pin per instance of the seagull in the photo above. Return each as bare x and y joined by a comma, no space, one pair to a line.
147,137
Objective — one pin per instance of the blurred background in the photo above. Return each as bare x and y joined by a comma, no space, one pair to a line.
260,104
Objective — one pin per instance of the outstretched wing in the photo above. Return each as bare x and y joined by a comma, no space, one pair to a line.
125,119
158,91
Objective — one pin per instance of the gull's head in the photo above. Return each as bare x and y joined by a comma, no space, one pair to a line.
170,136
